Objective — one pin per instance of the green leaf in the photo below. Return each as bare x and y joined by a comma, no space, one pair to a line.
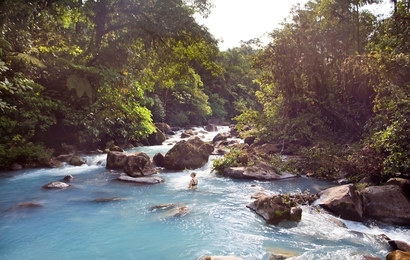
81,86
30,59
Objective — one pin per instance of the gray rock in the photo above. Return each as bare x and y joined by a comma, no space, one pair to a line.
16,167
399,245
115,160
164,127
220,258
56,185
191,154
157,138
249,140
276,208
159,159
139,164
220,137
64,157
116,148
77,161
68,177
404,184
188,133
386,203
343,201
211,128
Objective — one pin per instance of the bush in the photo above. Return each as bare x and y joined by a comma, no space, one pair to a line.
230,159
24,153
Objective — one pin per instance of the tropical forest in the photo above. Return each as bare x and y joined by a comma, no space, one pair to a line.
118,103
332,84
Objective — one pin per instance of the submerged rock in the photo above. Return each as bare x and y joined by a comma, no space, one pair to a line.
220,137
101,200
171,209
68,177
370,257
147,180
25,205
220,258
55,185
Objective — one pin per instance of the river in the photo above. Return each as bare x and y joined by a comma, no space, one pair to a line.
71,225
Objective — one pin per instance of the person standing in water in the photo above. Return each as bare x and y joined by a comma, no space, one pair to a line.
193,183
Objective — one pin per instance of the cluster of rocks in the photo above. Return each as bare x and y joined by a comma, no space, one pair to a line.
139,167
388,203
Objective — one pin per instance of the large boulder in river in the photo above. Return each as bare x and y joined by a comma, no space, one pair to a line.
188,133
404,184
157,138
399,245
386,203
343,201
77,161
115,160
138,165
159,159
260,171
211,128
164,127
191,154
220,137
276,208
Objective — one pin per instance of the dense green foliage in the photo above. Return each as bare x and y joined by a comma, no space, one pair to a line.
335,78
332,84
82,74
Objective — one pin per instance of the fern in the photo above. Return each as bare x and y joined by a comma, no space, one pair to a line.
82,68
5,46
30,59
81,85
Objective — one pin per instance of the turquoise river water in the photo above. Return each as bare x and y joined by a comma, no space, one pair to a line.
71,225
